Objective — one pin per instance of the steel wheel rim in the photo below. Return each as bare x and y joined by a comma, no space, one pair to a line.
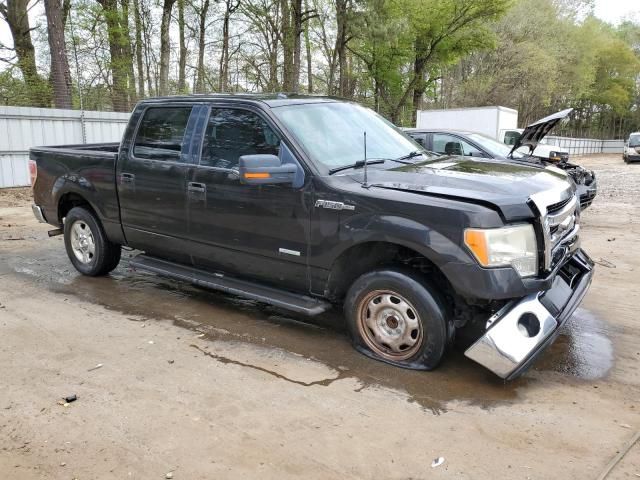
390,325
83,244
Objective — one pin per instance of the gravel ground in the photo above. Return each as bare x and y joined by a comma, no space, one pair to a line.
175,381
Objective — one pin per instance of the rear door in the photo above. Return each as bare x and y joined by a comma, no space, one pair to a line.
152,181
254,231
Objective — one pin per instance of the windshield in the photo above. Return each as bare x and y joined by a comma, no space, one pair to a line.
634,141
493,146
332,134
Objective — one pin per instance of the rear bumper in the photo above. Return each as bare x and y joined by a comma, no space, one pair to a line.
38,213
633,158
522,330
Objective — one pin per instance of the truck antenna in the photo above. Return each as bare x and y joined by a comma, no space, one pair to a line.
365,159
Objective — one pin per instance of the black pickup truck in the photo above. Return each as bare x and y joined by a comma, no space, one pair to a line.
308,202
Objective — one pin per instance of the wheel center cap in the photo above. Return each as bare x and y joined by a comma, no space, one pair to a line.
392,322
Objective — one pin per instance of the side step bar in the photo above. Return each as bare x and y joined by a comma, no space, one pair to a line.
218,281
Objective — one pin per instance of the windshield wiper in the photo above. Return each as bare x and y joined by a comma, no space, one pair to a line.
358,164
410,155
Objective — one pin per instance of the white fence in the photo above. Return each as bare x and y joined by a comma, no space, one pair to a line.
584,146
26,127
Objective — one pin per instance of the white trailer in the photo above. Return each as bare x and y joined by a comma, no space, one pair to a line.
490,121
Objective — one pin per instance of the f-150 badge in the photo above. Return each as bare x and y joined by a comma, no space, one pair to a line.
334,205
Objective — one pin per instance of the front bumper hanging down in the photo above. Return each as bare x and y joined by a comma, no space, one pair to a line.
524,328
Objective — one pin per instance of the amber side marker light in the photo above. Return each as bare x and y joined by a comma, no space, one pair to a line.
257,175
477,243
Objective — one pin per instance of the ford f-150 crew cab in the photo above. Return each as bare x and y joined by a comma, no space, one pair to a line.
308,202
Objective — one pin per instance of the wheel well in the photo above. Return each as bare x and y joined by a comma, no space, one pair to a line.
69,201
365,257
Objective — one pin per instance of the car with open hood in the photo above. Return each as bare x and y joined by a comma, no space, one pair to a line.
525,147
311,203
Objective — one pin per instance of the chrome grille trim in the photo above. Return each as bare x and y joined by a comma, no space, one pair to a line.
558,226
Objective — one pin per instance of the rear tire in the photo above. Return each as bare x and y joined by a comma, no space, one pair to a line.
88,247
397,317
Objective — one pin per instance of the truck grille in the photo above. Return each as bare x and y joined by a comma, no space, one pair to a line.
561,224
559,218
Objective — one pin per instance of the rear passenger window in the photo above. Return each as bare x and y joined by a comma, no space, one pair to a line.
161,133
232,133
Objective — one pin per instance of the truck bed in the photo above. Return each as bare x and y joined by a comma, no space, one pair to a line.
86,149
89,168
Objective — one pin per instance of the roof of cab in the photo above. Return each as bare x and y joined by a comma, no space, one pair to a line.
271,99
437,130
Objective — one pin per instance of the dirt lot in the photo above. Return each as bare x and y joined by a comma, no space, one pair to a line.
201,385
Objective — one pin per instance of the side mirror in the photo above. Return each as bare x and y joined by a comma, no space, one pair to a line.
265,170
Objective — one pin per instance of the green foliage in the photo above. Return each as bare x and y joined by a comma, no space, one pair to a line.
549,57
537,56
405,43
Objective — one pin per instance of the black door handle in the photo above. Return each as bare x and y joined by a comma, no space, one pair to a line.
196,187
127,178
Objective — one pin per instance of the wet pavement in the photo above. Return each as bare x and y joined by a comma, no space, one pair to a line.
208,385
582,351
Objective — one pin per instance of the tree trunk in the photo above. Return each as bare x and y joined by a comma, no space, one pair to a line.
307,43
16,16
419,88
165,46
297,33
182,61
287,47
223,71
200,73
60,73
139,59
341,46
119,70
127,51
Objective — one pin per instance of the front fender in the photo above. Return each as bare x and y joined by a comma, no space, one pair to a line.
438,247
443,247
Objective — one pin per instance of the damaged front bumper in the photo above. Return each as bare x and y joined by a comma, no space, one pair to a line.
523,328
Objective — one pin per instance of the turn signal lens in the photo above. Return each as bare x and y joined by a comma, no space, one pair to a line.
257,175
477,243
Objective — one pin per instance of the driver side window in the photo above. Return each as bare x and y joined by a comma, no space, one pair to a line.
232,133
452,145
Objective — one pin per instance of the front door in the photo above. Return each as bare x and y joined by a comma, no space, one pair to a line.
152,180
258,231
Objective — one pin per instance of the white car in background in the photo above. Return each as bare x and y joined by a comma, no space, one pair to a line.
631,152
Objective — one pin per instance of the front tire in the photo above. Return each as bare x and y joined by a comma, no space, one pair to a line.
397,317
88,247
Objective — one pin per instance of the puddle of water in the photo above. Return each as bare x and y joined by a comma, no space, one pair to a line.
583,350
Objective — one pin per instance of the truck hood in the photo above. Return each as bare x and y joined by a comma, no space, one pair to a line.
535,132
500,185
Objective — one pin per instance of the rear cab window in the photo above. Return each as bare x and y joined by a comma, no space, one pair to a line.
160,135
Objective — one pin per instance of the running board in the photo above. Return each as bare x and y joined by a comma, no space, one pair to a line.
218,281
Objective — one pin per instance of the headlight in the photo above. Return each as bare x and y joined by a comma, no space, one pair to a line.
507,246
